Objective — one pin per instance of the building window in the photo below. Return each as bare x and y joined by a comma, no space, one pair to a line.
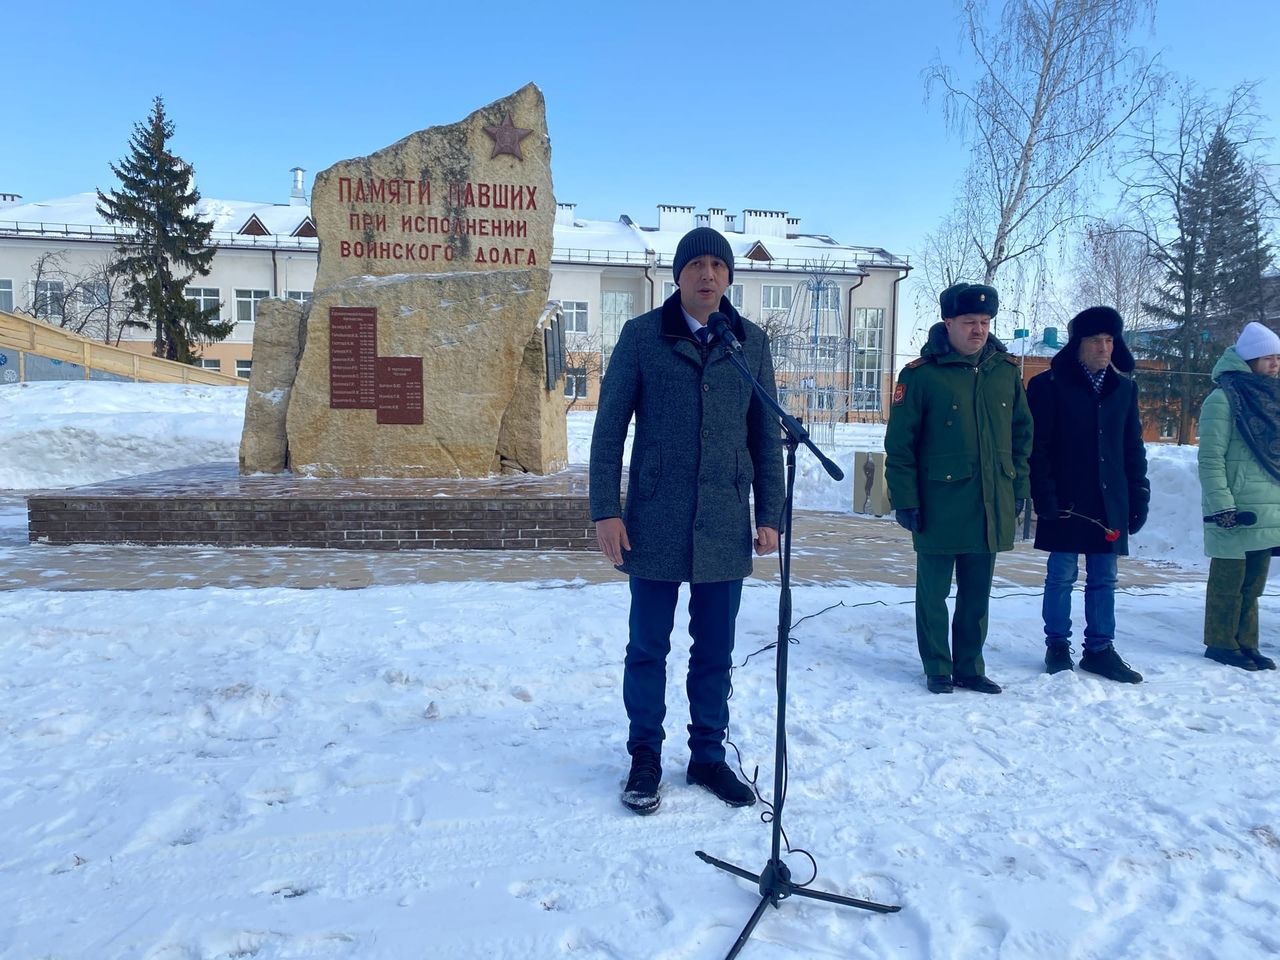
94,295
775,297
302,296
574,313
575,382
47,303
247,305
205,298
6,295
243,367
868,328
868,357
214,365
668,288
1168,429
829,296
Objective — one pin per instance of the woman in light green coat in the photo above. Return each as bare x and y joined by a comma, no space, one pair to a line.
1239,459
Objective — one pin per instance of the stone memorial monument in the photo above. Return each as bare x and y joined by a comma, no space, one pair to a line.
423,379
422,353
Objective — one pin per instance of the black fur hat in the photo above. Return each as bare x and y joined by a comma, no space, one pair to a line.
1096,320
961,298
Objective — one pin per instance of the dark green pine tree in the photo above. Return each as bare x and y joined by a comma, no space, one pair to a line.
168,244
1213,272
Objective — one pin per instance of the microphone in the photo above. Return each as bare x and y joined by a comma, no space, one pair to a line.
719,325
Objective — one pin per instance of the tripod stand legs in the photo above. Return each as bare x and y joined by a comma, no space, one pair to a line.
775,885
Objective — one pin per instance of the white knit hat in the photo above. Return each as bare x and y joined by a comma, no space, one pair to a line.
1257,341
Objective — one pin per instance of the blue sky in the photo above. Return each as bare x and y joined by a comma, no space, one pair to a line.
813,108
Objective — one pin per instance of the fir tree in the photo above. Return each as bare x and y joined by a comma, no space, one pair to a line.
1213,270
168,243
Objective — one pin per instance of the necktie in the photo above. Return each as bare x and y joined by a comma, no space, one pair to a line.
702,334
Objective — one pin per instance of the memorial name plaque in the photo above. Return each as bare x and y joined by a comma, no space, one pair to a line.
353,353
399,389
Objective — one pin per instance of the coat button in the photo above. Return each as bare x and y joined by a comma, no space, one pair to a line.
705,434
948,423
697,525
948,476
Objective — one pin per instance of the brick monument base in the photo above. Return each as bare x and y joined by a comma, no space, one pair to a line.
213,504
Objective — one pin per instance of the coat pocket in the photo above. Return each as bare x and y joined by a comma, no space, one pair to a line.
650,473
953,468
746,472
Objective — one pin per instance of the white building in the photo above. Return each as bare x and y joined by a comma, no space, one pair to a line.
816,297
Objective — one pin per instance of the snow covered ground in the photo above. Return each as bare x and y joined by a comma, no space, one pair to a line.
433,770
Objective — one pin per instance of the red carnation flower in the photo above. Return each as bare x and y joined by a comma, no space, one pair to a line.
1111,536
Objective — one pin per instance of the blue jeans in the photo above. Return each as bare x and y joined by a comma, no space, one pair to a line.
713,612
1099,598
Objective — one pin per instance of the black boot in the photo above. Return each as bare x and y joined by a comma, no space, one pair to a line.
720,780
1232,658
641,792
1262,662
1107,663
940,683
978,683
1057,657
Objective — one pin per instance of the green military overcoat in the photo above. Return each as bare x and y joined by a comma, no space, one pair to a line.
957,446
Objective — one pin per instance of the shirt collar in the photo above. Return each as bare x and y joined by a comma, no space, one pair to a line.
1094,378
694,325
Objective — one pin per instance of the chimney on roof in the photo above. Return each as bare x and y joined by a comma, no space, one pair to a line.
297,196
766,223
793,226
564,214
716,218
675,217
10,200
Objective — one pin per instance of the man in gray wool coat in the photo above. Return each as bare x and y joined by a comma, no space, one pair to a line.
703,443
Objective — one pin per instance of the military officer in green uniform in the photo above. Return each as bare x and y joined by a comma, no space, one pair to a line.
956,464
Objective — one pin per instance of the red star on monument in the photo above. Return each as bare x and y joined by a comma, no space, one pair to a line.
506,138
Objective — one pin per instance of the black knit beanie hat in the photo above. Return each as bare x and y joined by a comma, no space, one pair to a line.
701,241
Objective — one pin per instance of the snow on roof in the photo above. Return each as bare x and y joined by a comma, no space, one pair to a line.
1031,347
584,240
228,216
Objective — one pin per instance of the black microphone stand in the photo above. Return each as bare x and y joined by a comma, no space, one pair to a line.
774,881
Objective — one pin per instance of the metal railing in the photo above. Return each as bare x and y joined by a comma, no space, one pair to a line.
106,231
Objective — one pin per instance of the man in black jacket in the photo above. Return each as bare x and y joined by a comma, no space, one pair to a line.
1089,485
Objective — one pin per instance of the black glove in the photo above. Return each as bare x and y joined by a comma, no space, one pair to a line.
1226,519
1019,505
1137,521
908,518
1046,508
